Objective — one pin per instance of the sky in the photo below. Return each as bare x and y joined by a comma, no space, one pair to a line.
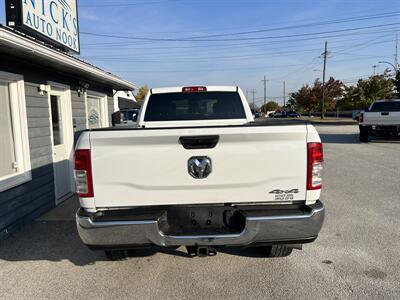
237,42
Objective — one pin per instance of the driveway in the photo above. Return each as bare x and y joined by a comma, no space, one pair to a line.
356,255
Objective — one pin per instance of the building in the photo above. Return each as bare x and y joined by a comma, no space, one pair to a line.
46,98
125,100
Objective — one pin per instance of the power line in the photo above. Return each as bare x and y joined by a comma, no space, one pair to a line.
204,59
197,58
194,39
394,14
126,4
226,45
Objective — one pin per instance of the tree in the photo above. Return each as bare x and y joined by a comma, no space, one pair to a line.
142,92
367,91
269,106
291,104
333,92
308,98
303,100
351,99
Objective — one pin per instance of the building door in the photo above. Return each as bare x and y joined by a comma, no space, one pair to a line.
62,137
96,110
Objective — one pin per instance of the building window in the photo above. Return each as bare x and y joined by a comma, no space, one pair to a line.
14,145
96,110
56,118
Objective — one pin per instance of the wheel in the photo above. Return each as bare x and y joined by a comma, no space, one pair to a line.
278,251
363,135
116,254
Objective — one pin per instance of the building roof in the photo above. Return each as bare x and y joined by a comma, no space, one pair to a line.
17,43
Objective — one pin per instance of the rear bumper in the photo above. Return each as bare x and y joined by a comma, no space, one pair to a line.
381,129
293,225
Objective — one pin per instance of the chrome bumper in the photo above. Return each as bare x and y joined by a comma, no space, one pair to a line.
290,228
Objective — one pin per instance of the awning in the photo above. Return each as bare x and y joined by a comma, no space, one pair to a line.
19,44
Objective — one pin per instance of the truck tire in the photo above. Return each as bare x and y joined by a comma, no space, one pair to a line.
363,135
116,254
278,251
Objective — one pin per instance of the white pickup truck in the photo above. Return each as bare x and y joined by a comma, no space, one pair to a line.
199,172
381,119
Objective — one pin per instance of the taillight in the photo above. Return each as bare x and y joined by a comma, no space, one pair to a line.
315,158
361,118
83,173
193,89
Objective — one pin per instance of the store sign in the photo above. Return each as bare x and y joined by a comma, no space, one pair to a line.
55,21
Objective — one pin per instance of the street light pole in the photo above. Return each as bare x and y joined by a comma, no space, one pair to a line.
284,94
386,62
254,101
323,82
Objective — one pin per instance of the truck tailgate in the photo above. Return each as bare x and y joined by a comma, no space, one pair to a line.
145,167
382,118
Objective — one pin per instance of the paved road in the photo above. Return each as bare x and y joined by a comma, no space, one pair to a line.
356,256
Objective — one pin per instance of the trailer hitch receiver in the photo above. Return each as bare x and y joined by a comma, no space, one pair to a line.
201,251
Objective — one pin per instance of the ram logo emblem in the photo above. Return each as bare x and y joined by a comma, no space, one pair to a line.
199,167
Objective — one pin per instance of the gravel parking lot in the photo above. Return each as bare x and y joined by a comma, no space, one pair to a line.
356,256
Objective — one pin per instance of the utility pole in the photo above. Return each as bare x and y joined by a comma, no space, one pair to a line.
265,92
247,94
284,94
254,101
374,66
396,54
323,82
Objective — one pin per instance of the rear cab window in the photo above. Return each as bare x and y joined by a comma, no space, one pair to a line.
385,106
180,106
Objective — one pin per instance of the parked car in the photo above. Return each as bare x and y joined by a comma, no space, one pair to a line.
258,115
280,114
125,117
200,178
355,115
381,119
293,114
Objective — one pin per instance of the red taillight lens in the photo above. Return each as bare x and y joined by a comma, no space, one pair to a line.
315,158
83,173
193,89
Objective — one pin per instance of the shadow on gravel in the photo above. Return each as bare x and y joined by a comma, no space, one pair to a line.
254,252
339,138
48,241
353,138
333,123
53,237
57,241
